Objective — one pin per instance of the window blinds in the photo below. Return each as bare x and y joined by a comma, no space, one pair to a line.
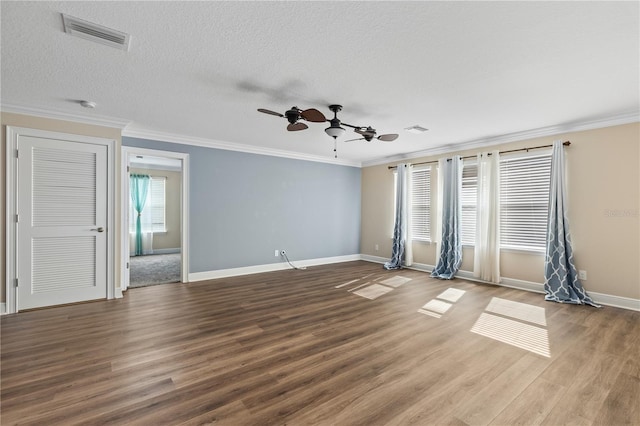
468,200
421,204
524,199
158,203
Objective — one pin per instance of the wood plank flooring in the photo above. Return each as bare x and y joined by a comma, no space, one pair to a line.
290,348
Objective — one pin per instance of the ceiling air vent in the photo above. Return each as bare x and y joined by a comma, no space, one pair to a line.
416,129
95,32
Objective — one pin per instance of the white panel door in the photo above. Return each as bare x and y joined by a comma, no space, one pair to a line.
62,211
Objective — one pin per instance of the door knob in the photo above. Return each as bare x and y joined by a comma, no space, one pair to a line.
100,229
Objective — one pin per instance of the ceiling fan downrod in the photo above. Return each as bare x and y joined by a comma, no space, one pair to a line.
335,129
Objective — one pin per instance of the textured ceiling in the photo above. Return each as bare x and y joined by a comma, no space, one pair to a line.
468,71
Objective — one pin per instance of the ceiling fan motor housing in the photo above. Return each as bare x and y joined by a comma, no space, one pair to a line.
334,122
293,115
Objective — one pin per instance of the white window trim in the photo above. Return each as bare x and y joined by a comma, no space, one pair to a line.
538,153
509,157
429,237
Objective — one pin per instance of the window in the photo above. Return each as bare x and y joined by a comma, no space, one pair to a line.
468,199
524,200
421,204
153,214
157,204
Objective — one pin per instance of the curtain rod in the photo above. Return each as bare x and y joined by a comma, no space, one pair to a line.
565,143
151,176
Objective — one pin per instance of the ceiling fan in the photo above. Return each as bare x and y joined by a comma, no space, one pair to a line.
335,128
295,114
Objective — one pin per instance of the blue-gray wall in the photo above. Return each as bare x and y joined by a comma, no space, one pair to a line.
244,206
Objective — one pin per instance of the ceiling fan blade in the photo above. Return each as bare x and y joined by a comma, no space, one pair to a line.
266,111
296,126
388,138
313,115
363,131
351,140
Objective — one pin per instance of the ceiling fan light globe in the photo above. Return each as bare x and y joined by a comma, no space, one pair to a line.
334,131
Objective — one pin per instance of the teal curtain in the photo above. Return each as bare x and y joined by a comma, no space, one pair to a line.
139,188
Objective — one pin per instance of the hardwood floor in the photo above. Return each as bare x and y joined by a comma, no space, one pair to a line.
290,348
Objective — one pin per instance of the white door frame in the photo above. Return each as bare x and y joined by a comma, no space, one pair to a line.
12,136
128,151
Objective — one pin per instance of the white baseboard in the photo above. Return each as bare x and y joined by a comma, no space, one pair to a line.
3,308
599,298
166,250
374,259
616,301
423,267
270,267
522,285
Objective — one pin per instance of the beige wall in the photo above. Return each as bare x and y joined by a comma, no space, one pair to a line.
604,186
18,120
603,182
170,239
3,184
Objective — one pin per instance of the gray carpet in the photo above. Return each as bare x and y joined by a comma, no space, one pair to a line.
154,269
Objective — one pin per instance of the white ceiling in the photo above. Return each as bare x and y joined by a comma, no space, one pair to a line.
468,71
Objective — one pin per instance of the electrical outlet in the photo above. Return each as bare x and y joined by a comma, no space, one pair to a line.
377,247
582,274
277,253
282,252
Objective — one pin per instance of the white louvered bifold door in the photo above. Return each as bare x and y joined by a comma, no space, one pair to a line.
62,235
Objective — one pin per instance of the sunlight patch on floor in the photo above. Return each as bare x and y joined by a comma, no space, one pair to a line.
346,284
431,314
396,281
517,310
370,289
451,295
510,325
359,286
373,291
437,307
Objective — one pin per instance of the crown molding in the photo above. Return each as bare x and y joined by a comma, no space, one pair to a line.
615,120
228,146
65,116
125,126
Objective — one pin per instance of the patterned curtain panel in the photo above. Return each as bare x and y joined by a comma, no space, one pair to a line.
450,256
401,253
486,261
561,282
